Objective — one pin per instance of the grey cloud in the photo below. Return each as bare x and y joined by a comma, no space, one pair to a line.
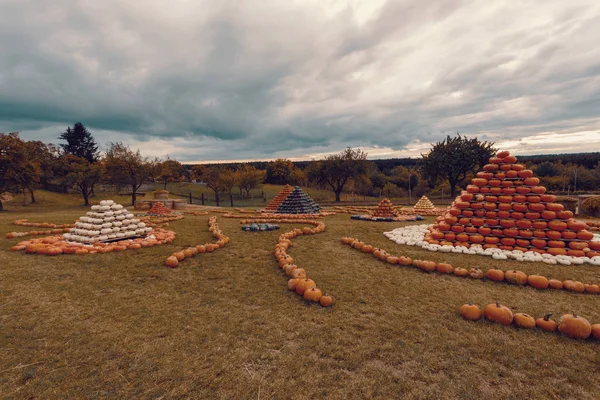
216,80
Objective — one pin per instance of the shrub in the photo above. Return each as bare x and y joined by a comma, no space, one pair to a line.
591,205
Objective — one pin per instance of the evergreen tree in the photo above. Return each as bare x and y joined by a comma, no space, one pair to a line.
80,143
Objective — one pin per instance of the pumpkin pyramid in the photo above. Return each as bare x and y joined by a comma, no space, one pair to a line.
424,204
277,200
384,209
505,207
298,202
159,209
106,222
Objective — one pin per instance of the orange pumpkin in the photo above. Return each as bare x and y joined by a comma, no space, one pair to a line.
555,284
172,262
546,324
304,285
326,301
523,320
538,281
470,311
313,294
496,275
498,313
573,286
516,277
574,326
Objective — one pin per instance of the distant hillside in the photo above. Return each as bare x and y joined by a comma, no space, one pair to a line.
588,160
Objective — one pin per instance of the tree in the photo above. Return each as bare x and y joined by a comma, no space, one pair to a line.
279,172
170,171
79,172
547,168
42,158
218,179
124,167
80,143
248,177
336,169
454,158
19,172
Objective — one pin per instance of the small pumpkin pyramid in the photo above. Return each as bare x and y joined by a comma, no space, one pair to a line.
505,207
384,209
159,209
106,222
424,204
298,202
277,200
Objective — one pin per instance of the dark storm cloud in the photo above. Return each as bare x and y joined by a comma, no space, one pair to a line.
236,80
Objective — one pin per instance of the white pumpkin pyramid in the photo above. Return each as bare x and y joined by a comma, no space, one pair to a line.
424,204
106,222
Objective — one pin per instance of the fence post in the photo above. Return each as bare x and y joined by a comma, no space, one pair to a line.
202,198
231,199
190,197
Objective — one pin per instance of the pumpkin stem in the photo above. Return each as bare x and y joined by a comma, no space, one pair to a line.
498,304
547,316
574,315
470,303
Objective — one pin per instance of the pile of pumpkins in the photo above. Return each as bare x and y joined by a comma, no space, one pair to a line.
159,209
385,208
213,227
277,200
299,281
493,274
505,207
56,245
424,204
571,325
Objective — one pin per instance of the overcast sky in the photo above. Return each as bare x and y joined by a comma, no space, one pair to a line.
237,80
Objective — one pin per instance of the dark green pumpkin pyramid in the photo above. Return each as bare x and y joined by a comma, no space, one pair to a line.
298,202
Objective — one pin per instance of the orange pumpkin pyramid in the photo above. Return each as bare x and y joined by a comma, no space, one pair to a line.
505,207
384,209
277,200
159,209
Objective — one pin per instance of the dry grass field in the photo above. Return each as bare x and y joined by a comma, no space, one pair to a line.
224,325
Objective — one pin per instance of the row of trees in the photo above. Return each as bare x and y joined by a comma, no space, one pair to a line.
77,164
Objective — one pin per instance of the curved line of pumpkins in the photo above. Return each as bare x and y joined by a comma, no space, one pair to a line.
65,228
571,325
54,246
213,227
299,281
493,274
294,217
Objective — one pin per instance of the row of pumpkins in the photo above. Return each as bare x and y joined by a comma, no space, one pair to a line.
504,207
24,222
56,245
571,325
213,227
55,228
299,281
265,216
493,274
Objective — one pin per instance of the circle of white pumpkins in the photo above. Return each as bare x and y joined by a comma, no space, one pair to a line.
414,236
